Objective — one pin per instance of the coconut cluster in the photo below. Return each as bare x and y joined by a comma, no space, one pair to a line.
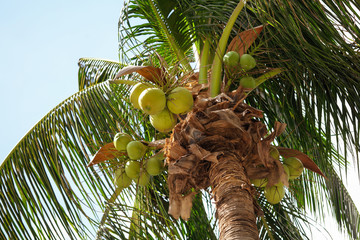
293,168
160,106
246,62
137,167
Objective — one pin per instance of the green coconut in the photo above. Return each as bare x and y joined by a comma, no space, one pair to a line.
295,166
135,150
247,62
274,194
132,169
136,90
180,100
121,180
121,140
231,59
152,100
164,121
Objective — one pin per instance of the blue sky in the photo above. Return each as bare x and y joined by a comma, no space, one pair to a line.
40,44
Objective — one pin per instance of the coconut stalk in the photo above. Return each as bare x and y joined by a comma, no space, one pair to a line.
216,67
204,62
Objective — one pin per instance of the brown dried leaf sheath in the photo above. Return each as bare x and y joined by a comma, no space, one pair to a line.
244,40
106,152
153,74
221,143
307,162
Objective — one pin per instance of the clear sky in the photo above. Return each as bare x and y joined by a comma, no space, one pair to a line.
40,44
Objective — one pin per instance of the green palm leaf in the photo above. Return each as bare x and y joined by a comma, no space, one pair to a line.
285,221
165,28
146,217
93,71
323,66
46,172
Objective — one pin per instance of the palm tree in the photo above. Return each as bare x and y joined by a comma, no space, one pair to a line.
47,192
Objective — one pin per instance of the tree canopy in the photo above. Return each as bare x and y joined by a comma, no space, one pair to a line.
47,190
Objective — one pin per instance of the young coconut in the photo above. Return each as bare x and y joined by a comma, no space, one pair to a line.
164,121
287,171
259,182
180,100
136,90
274,153
295,166
154,165
152,100
132,169
247,62
143,179
121,180
248,82
135,150
121,140
274,194
231,59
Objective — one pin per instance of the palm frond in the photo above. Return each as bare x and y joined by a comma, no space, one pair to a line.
282,221
323,67
93,71
311,190
315,96
162,28
188,22
344,208
144,216
45,175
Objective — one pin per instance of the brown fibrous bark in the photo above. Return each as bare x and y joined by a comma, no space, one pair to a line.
222,144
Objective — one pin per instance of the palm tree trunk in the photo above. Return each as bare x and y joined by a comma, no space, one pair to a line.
234,202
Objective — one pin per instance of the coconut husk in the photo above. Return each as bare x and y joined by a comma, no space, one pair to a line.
215,129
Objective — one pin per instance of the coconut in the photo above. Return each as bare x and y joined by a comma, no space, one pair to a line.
295,166
135,150
121,180
287,171
164,121
274,194
247,62
231,59
143,179
136,90
248,82
132,169
274,153
154,165
152,100
180,100
259,182
121,140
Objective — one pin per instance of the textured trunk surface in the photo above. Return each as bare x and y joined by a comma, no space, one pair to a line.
233,199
